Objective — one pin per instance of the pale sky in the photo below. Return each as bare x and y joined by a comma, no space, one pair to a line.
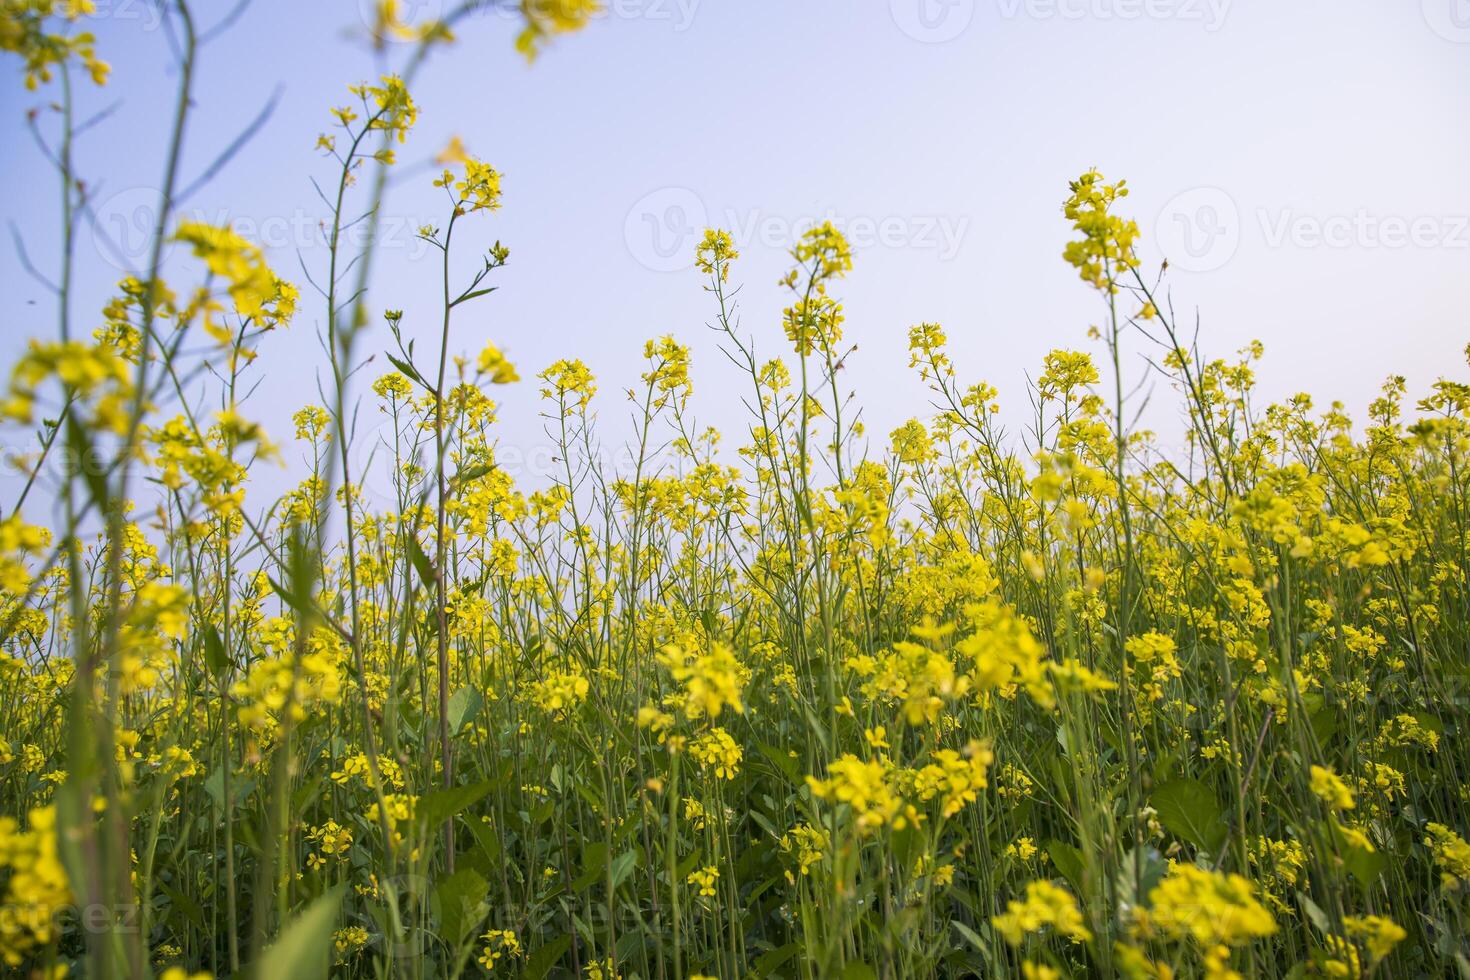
1302,164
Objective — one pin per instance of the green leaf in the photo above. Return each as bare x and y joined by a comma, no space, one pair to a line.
290,598
469,475
781,759
1188,808
80,445
186,906
623,866
1314,913
440,805
408,370
421,563
240,787
1363,863
594,863
464,707
461,900
475,295
303,949
539,963
969,934
485,836
1068,860
214,651
773,959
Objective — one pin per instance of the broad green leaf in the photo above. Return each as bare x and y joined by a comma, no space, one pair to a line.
461,898
421,562
1188,808
594,865
1067,859
214,651
766,962
539,963
303,949
623,866
440,805
464,707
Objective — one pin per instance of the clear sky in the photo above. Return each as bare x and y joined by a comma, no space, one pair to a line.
1301,162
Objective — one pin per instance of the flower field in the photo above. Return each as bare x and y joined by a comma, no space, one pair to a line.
806,702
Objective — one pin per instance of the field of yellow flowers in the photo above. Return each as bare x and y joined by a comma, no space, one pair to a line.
973,706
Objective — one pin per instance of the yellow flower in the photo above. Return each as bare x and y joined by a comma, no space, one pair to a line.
955,779
1378,933
1070,676
18,541
310,421
711,680
570,381
1105,250
24,31
863,786
499,944
704,879
807,844
393,387
560,692
493,363
1211,907
1022,848
1331,790
347,941
393,108
669,375
1004,653
602,970
94,373
478,190
254,289
1451,853
38,890
715,253
1043,905
716,750
545,18
454,152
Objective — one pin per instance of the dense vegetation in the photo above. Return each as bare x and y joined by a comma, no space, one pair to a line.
1036,704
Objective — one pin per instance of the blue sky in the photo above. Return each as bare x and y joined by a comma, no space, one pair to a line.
1301,163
